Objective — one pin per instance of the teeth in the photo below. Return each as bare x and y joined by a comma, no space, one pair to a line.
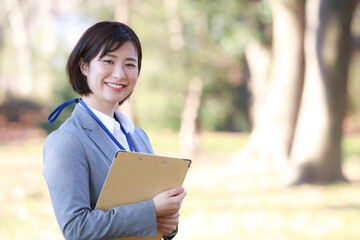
115,85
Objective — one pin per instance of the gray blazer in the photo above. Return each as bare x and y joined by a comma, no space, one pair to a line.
77,158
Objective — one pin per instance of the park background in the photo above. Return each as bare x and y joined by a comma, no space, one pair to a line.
262,95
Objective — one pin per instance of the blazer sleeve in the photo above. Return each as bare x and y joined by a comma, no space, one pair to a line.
67,175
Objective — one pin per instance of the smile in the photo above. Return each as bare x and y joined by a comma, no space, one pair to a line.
113,85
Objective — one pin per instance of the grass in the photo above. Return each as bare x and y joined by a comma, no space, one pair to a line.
220,204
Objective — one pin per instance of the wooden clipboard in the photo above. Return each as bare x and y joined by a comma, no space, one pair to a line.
135,177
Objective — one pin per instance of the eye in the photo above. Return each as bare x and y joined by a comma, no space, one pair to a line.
108,61
130,65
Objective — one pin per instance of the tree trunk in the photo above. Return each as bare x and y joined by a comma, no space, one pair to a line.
258,57
175,25
44,45
188,135
273,127
23,86
316,152
189,139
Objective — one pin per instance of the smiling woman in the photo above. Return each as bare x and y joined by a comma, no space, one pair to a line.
103,68
111,78
102,43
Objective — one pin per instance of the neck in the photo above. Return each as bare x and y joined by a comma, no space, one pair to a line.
107,109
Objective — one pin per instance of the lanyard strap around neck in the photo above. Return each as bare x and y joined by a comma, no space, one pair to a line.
106,130
54,115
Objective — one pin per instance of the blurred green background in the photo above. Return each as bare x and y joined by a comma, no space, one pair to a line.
261,94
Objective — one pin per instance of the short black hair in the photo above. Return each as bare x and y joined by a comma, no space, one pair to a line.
104,36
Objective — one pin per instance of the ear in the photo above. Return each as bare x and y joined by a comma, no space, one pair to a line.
83,67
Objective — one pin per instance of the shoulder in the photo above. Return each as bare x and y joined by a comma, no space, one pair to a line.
141,141
63,151
64,141
71,130
141,135
66,133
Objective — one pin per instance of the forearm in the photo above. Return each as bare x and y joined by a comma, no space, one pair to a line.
136,219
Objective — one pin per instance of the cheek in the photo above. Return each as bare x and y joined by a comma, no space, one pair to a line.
131,78
93,82
134,80
134,76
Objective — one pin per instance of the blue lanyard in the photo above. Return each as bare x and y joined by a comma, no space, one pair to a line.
55,114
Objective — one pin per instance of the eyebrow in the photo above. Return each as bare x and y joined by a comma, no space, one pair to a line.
127,59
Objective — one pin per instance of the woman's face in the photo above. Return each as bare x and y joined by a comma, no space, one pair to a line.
112,78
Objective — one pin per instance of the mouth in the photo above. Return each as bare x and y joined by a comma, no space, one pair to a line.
116,86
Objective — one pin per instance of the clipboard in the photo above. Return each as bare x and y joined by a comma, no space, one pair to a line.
135,177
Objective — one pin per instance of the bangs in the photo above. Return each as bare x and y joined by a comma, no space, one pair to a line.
114,43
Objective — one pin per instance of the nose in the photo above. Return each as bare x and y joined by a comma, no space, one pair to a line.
118,72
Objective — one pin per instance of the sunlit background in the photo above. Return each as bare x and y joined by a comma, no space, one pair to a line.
262,95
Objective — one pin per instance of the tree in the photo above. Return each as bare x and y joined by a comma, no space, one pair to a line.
316,153
302,116
277,99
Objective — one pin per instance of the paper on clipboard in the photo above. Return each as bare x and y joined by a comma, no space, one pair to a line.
135,177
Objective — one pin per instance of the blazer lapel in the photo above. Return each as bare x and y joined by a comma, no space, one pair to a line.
95,132
135,144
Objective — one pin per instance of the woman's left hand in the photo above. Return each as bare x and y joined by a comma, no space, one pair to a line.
168,224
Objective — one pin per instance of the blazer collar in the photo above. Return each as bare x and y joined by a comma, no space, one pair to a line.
99,136
95,132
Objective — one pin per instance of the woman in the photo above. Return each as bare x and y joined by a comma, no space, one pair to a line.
103,68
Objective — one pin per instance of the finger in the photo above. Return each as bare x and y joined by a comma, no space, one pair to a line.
161,222
165,204
173,220
172,216
175,191
166,228
180,196
176,202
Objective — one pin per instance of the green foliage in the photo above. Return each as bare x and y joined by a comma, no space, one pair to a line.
62,92
215,39
351,146
354,87
215,35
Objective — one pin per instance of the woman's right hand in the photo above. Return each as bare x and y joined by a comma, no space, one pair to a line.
169,202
